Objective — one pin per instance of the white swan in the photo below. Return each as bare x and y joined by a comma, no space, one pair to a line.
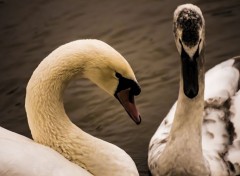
199,137
48,121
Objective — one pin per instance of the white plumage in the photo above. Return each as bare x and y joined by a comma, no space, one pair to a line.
50,125
205,139
20,156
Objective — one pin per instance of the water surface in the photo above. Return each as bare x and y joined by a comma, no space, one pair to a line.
140,30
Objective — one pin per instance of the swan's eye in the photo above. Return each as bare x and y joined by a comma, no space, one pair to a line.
118,75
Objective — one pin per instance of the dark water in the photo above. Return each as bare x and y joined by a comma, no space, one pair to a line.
141,30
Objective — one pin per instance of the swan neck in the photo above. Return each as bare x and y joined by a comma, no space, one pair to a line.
187,124
48,121
45,89
184,143
189,110
45,109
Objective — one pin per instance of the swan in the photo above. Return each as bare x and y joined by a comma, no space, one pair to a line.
201,133
48,121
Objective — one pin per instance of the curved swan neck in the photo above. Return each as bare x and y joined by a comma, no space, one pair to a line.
47,119
44,96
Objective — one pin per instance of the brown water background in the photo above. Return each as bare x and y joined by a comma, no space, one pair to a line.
141,30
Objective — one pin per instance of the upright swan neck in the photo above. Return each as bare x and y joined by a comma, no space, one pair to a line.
184,145
188,116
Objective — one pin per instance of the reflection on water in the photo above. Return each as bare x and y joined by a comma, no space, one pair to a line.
140,30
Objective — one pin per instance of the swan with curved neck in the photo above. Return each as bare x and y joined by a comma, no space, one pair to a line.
198,137
48,121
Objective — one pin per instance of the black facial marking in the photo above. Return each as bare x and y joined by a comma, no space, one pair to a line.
190,22
125,83
118,75
190,74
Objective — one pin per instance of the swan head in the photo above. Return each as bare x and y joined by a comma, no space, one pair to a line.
189,33
112,73
189,29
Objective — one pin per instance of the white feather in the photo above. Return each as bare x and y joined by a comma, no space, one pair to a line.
20,156
50,125
220,84
234,150
219,150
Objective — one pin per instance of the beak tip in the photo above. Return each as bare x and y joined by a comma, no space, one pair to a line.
138,120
